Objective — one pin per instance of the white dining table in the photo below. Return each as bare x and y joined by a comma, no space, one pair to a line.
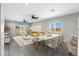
47,37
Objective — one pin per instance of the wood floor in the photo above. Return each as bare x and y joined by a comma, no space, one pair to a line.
13,49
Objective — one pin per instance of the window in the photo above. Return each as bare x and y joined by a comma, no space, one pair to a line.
19,29
55,27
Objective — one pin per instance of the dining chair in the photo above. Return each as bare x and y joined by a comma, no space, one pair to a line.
73,45
37,43
52,43
60,40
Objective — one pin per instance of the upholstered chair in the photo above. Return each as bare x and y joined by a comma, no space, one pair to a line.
52,43
73,45
60,41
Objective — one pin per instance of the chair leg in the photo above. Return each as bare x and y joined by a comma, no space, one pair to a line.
46,49
70,54
36,45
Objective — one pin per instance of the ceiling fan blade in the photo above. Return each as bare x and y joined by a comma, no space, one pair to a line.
25,21
34,17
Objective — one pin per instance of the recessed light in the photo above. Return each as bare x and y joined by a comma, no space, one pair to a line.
26,3
52,10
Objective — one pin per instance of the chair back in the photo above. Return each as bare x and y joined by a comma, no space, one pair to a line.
73,45
61,38
54,42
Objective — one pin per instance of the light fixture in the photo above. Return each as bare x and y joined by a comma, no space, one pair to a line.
52,10
26,3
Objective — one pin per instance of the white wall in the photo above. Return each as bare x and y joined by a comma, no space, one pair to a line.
78,26
70,24
0,29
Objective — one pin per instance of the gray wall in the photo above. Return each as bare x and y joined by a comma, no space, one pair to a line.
70,24
12,25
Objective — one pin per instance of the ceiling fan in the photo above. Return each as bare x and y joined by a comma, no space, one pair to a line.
34,17
25,21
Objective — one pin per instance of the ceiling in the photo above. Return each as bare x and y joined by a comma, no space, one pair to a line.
20,11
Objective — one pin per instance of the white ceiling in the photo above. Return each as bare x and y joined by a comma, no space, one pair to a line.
20,11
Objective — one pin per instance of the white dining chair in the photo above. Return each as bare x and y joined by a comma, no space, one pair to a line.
73,45
52,43
60,40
